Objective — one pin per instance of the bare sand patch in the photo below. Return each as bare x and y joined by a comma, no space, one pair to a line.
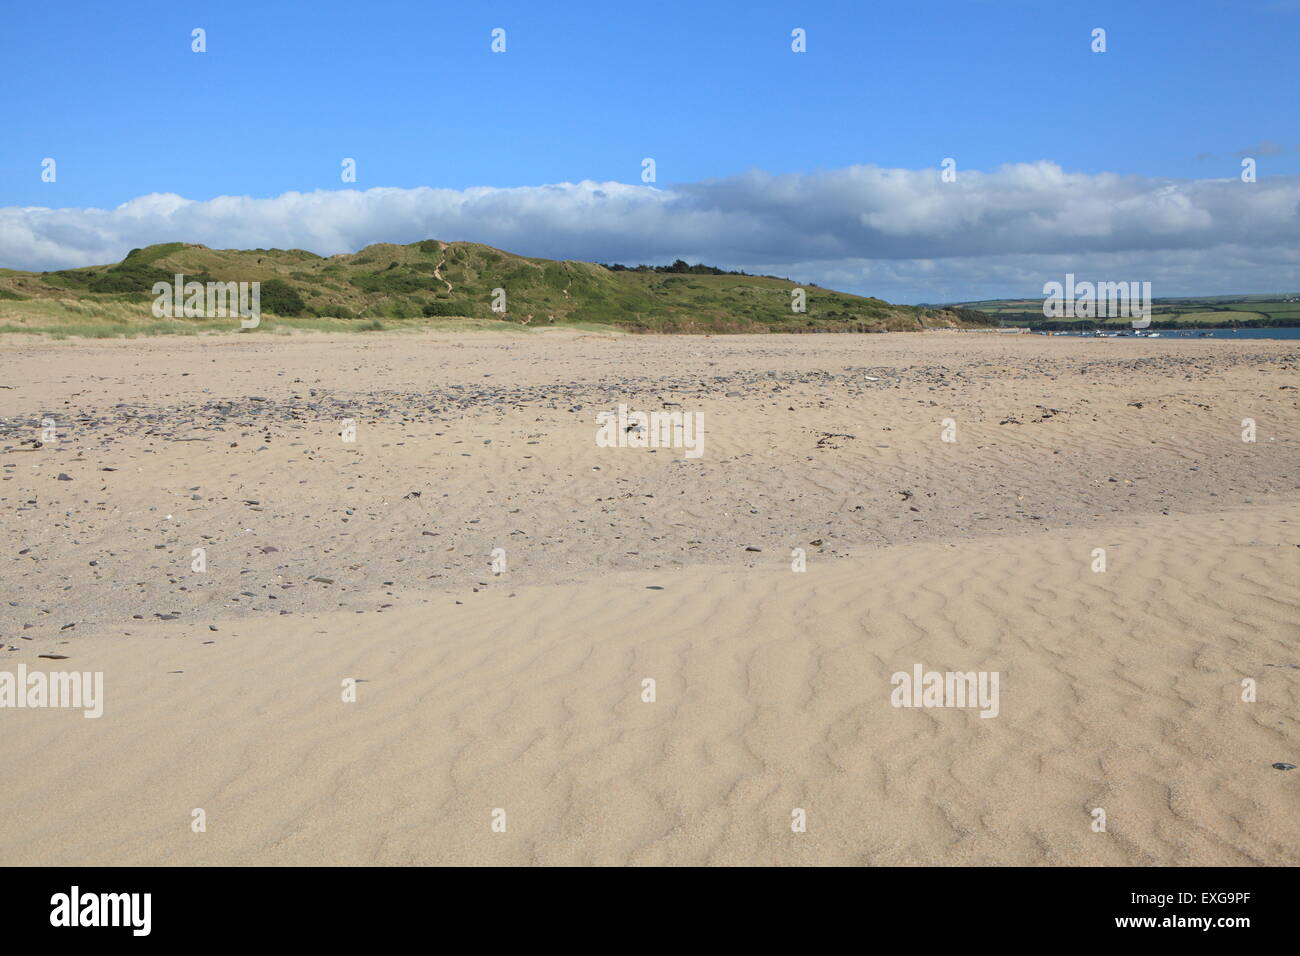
1119,690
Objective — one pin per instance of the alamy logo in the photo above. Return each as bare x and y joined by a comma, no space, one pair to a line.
71,689
949,689
213,300
103,909
1098,300
624,429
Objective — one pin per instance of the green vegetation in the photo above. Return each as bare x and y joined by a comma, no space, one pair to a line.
431,282
281,298
1218,311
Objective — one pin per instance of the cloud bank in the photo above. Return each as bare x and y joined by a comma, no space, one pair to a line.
901,234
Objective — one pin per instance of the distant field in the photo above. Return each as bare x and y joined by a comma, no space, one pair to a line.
1213,311
1215,317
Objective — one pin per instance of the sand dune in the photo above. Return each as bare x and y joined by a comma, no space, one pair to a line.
523,691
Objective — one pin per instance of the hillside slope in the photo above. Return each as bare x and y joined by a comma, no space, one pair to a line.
458,279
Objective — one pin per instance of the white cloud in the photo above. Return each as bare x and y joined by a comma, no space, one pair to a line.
900,234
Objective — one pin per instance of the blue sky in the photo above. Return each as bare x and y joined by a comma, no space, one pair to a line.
585,91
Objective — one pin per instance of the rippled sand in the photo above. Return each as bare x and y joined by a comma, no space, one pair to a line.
524,691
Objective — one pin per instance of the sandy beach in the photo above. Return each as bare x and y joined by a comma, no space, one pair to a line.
431,644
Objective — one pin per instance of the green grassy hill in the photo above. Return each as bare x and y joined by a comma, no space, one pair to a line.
388,285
